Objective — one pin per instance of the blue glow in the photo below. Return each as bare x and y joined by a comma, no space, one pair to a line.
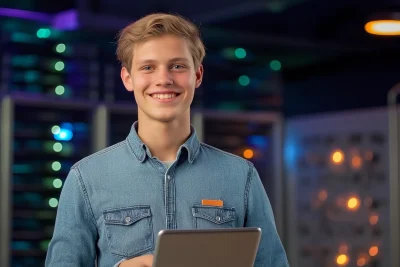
64,135
257,141
67,125
290,154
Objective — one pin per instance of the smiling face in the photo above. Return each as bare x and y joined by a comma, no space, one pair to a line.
163,78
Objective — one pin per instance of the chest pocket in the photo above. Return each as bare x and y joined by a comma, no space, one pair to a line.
207,217
129,230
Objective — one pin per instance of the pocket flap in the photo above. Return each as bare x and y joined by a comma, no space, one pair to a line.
126,216
217,215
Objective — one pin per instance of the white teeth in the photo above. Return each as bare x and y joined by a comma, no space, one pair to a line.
163,96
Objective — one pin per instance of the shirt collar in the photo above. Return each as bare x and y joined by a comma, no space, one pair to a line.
140,149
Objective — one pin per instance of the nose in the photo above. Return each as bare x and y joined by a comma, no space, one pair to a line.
164,77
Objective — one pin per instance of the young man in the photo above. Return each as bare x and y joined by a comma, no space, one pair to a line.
115,202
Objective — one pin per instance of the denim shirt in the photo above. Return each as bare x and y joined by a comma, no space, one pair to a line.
114,203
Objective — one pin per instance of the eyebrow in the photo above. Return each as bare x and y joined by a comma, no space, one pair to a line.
176,59
179,59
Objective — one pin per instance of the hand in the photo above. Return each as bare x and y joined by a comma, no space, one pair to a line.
141,261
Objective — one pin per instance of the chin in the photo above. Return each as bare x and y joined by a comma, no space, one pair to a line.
163,117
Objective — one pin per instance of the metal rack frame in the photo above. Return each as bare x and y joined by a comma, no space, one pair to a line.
6,137
394,151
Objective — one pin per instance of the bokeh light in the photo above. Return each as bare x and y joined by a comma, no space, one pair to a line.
337,157
373,251
353,203
248,153
342,259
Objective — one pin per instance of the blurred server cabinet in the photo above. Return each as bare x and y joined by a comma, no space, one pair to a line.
47,138
338,189
43,61
254,136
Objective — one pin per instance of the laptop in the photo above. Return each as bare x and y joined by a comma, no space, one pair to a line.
233,247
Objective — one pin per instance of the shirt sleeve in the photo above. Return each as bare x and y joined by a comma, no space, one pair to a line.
75,233
259,214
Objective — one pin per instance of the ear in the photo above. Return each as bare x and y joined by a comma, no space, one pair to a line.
126,79
199,75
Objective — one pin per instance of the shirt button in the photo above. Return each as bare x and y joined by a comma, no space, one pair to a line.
127,219
218,219
169,177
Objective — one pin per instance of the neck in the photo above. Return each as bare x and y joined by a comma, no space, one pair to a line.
164,138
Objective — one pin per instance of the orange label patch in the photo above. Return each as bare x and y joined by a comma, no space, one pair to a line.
212,202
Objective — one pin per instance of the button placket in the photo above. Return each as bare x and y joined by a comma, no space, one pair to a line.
170,199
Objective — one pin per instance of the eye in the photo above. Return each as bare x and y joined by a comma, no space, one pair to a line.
177,66
146,68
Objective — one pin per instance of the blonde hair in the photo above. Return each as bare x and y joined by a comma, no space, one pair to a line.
157,25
